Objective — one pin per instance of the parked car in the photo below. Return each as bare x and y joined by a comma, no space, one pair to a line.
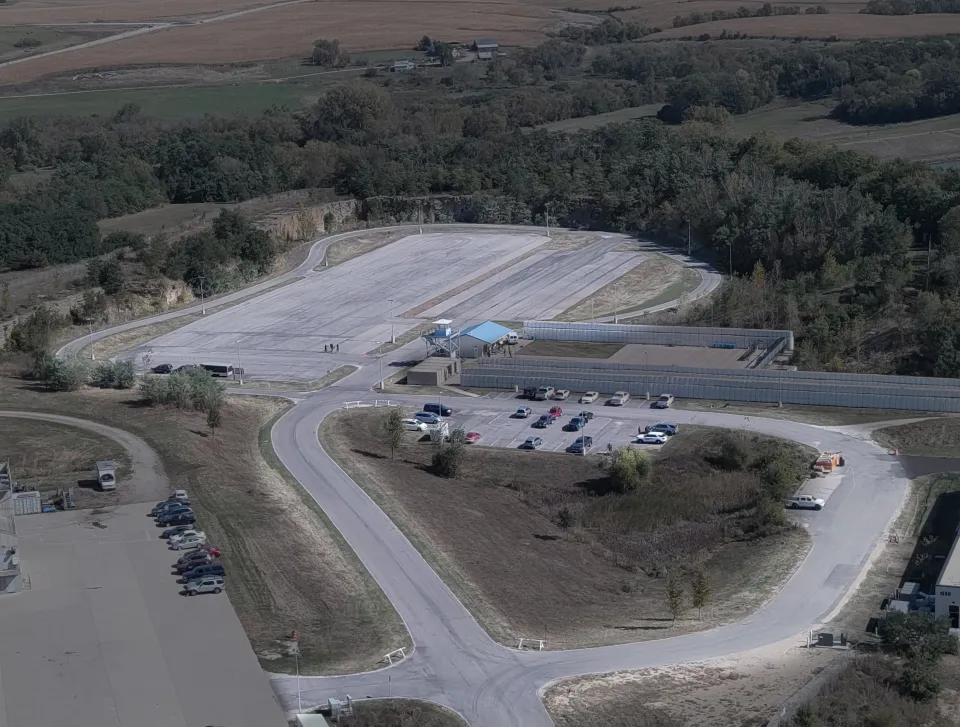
544,393
186,368
438,409
561,394
618,399
427,417
210,569
183,519
162,369
589,397
556,411
543,422
191,542
414,425
170,532
587,416
208,584
198,557
186,534
178,495
173,507
530,392
664,402
168,505
663,427
532,443
523,412
581,445
575,425
162,517
805,502
651,438
472,437
176,518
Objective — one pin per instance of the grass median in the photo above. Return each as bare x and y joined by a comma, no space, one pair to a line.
538,545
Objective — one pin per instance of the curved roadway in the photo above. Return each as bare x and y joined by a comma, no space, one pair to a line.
455,662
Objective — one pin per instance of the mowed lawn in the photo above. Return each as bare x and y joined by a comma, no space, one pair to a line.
494,534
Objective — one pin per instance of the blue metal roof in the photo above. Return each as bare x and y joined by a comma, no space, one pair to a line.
488,332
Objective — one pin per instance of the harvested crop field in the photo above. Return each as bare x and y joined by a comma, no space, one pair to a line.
846,26
289,31
537,544
937,437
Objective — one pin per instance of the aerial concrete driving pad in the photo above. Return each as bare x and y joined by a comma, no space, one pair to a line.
103,636
282,333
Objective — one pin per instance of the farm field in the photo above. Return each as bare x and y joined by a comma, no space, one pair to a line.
660,13
595,575
846,26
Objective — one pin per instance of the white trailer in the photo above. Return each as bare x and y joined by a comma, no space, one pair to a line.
106,473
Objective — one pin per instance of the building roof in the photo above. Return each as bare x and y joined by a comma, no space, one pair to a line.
486,42
488,332
950,575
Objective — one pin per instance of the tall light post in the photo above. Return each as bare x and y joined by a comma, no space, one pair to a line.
730,246
203,307
239,362
393,338
689,240
380,356
296,656
546,209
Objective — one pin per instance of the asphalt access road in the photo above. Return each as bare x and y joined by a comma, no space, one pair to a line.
456,664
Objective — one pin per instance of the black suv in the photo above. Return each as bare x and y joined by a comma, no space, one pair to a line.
581,445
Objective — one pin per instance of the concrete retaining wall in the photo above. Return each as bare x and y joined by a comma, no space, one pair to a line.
789,387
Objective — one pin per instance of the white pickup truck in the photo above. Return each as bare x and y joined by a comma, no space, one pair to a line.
805,502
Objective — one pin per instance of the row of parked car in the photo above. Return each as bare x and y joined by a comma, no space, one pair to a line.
619,398
198,567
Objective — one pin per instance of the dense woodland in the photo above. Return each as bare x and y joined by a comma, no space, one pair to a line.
830,243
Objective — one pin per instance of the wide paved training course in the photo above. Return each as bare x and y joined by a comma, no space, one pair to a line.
282,333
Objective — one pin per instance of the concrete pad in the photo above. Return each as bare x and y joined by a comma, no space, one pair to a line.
282,333
103,636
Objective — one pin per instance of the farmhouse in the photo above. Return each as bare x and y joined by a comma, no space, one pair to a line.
403,65
486,48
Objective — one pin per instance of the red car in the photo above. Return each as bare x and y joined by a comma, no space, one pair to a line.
472,437
556,411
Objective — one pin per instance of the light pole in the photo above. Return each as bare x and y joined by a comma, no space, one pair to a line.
546,209
380,356
296,656
203,307
239,362
730,245
689,240
393,338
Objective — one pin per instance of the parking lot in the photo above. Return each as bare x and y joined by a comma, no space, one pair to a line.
501,429
103,636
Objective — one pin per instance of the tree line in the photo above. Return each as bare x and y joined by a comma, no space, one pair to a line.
910,7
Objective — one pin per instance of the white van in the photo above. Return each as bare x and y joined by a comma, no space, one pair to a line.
222,371
513,338
106,472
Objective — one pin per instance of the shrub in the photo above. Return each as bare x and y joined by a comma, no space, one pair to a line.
917,635
155,390
566,519
734,453
919,680
36,332
103,375
67,375
629,469
448,458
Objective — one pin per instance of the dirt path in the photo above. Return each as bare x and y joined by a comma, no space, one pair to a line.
147,480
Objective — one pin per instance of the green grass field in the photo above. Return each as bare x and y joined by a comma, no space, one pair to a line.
10,35
598,120
165,103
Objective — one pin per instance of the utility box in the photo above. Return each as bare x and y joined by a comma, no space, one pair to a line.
106,473
27,503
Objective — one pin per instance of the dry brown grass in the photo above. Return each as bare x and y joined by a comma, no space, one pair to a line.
47,455
569,349
492,535
288,567
360,244
845,26
403,713
937,437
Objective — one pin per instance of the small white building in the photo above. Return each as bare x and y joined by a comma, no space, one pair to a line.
403,66
947,591
486,48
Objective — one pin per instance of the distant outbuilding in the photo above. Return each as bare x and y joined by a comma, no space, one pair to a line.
486,48
403,65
